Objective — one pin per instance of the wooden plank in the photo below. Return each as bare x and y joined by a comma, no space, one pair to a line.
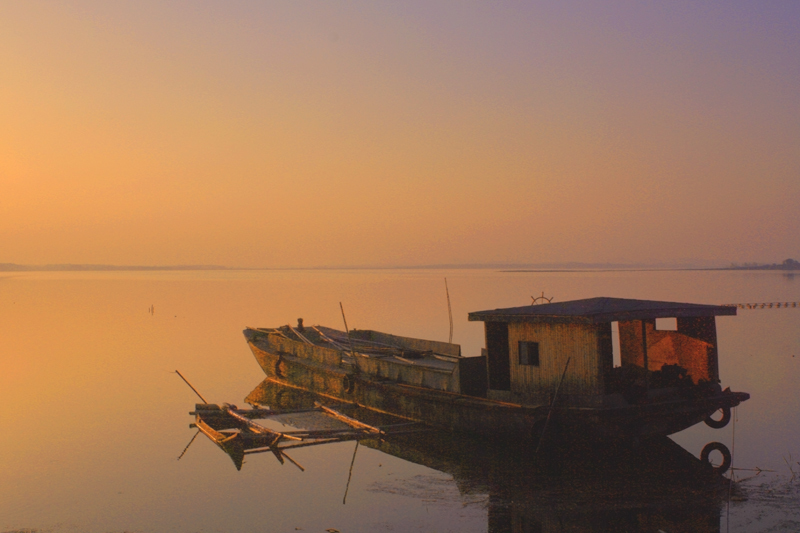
215,436
300,336
251,413
347,420
256,428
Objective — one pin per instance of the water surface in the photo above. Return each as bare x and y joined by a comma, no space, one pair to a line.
94,418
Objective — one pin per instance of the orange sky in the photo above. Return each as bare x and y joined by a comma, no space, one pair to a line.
272,134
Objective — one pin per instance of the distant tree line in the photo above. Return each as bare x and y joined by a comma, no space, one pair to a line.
789,264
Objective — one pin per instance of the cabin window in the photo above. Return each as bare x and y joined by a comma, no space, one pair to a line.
529,353
667,324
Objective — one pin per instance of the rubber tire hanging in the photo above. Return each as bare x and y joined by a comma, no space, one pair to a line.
721,448
722,422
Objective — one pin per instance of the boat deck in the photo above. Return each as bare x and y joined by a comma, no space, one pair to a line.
361,344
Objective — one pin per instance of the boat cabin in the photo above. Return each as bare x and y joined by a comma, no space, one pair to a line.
528,349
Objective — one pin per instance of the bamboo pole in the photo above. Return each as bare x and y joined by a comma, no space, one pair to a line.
190,386
325,337
449,311
299,335
350,475
352,351
644,356
347,420
295,463
187,446
550,412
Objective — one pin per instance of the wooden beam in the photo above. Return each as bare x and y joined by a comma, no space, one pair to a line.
347,420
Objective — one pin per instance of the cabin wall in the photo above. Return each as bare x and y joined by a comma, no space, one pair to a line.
630,342
588,346
703,328
692,347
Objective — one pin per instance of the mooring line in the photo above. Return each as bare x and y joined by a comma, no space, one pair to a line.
733,473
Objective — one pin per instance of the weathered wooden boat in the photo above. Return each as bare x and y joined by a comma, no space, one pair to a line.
546,368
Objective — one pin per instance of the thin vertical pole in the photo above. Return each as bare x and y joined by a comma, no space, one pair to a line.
644,355
350,475
552,403
352,351
449,311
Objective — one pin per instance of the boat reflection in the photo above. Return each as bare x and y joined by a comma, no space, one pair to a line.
657,487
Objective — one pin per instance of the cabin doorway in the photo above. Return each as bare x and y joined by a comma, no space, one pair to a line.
497,361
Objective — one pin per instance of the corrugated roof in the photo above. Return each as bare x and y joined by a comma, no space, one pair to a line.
594,310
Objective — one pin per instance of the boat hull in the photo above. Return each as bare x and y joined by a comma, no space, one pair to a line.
459,412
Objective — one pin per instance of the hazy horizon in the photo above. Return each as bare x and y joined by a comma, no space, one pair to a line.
510,267
308,135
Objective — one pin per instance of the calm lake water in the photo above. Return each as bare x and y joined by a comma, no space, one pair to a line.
94,417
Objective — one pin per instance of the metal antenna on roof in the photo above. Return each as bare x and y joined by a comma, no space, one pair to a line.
449,311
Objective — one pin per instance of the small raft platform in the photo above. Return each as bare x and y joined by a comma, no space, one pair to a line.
234,431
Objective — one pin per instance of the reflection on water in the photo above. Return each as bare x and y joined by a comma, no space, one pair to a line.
655,486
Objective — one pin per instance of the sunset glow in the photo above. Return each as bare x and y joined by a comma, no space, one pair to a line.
305,134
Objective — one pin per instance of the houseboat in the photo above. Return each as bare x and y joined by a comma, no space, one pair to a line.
546,368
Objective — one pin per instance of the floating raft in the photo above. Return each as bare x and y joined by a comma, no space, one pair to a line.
234,431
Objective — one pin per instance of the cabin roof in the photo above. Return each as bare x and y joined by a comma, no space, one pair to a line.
596,310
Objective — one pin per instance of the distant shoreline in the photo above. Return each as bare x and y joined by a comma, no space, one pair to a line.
787,266
656,269
13,267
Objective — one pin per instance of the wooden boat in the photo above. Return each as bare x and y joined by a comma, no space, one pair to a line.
545,368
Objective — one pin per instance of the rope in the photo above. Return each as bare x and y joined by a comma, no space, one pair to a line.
733,473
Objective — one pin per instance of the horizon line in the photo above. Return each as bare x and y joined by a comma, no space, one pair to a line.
508,267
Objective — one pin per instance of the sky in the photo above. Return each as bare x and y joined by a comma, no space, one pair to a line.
330,134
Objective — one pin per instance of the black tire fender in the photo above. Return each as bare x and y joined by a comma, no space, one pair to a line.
722,422
347,384
721,448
